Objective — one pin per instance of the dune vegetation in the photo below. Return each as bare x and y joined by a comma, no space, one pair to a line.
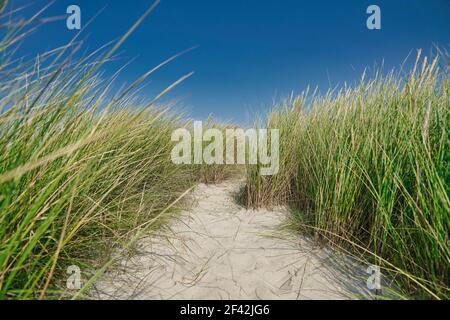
84,169
366,168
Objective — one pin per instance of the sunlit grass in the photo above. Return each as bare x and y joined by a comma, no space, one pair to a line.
83,168
368,168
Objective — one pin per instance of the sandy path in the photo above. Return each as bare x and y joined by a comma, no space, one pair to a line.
219,250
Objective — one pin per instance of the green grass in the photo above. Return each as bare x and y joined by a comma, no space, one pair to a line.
84,169
75,180
367,169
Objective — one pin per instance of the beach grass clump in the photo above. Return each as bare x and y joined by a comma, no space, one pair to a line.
367,169
85,168
216,172
78,175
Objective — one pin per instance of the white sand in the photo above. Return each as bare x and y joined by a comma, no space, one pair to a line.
219,250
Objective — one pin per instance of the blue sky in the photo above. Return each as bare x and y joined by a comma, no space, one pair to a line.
250,51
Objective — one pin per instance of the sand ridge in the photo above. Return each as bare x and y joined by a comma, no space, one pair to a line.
220,250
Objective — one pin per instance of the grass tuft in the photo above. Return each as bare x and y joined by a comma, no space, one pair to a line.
83,168
368,168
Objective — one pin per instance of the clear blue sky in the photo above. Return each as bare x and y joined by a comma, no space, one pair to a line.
251,51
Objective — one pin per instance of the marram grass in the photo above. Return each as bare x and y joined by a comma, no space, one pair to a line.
84,169
75,180
367,168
